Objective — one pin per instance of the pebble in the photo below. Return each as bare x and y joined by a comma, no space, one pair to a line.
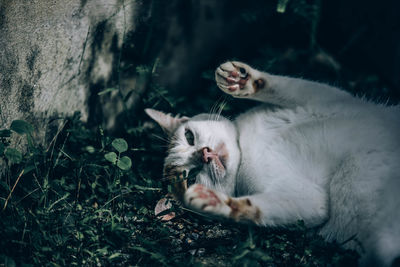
195,236
215,232
174,232
177,245
176,242
189,241
201,252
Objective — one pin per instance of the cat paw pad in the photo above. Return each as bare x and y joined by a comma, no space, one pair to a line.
238,79
201,198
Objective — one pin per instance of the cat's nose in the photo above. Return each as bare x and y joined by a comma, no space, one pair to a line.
207,154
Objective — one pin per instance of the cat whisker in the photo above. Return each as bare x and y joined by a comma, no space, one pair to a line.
215,110
221,108
161,138
212,110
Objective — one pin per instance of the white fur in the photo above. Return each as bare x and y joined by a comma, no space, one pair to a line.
321,156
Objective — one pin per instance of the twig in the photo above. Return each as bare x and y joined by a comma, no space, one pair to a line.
12,190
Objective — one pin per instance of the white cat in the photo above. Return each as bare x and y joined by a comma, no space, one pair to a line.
321,156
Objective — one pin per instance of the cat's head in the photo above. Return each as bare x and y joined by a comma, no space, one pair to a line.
204,142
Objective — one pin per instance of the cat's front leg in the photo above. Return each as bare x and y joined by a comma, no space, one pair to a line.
239,79
206,200
272,208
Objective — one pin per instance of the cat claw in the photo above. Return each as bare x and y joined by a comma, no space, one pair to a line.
238,79
203,199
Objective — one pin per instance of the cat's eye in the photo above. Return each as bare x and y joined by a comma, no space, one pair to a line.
189,137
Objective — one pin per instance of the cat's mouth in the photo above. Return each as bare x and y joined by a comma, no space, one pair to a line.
220,162
217,158
215,162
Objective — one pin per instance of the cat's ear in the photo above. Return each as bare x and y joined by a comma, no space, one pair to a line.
167,122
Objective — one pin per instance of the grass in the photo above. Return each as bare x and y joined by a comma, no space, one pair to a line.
71,203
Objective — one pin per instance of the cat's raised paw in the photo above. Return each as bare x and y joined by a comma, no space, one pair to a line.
204,199
238,79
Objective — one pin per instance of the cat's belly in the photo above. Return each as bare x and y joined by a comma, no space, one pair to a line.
263,150
287,144
279,146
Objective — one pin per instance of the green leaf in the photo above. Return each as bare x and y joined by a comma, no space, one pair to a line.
143,210
124,163
107,91
115,255
142,69
102,251
120,145
90,149
13,155
143,188
79,235
262,256
281,8
2,148
46,249
241,255
21,127
5,133
111,157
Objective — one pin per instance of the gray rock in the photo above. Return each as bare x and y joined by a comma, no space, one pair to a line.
195,236
201,252
176,245
54,56
217,232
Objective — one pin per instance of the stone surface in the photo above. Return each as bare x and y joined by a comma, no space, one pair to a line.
55,55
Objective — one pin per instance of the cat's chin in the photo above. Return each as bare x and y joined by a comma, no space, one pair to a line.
221,160
217,169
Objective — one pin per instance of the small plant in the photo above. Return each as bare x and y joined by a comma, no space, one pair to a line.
12,154
121,146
